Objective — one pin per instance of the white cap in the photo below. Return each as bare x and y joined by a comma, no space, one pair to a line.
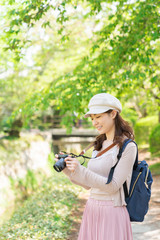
103,102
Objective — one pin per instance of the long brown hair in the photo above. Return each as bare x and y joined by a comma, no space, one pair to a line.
122,129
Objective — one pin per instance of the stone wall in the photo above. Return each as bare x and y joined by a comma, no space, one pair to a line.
33,158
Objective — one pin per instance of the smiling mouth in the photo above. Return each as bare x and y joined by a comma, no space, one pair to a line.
98,128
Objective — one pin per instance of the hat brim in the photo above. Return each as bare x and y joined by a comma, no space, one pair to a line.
97,111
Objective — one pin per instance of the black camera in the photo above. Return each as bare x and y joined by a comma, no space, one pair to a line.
60,164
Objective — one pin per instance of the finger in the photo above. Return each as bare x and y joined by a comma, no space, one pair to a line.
70,167
56,155
61,152
69,163
71,160
68,159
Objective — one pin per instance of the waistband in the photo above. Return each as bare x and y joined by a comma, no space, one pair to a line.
101,202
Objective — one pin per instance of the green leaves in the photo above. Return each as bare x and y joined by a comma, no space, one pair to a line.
120,56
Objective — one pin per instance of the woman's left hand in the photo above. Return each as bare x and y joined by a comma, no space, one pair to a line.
71,163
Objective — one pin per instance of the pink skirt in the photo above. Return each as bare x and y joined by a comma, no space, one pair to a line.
102,221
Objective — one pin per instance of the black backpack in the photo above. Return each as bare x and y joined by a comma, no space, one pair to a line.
140,187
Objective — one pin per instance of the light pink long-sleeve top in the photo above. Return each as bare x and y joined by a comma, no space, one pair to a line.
95,176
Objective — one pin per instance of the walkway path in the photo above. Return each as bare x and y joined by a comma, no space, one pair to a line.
147,230
150,228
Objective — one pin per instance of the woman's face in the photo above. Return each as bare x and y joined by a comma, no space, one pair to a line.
104,122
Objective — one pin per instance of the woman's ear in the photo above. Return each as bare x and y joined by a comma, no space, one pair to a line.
113,114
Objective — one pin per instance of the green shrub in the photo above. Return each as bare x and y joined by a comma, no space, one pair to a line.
46,214
143,128
154,141
155,168
130,115
23,187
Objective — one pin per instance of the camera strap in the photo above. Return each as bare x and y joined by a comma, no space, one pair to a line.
100,153
86,149
106,149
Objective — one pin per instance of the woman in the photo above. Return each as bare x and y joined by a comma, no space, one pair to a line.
105,216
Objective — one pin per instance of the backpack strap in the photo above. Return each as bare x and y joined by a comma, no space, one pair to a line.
118,157
126,141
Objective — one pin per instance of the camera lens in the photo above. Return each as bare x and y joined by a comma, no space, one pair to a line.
59,165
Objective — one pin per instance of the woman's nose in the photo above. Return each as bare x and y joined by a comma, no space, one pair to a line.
94,122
